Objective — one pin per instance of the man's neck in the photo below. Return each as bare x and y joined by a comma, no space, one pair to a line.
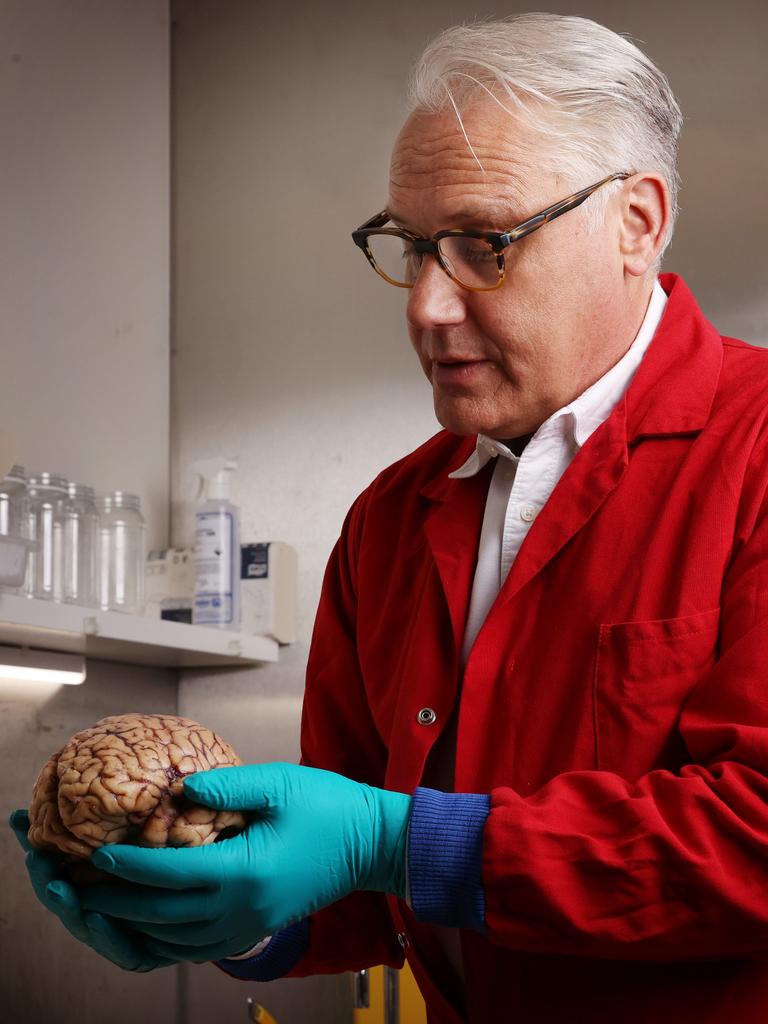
517,444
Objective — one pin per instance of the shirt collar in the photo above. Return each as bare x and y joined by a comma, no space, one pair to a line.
585,413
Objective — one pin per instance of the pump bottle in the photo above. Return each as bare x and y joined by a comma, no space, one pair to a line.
217,547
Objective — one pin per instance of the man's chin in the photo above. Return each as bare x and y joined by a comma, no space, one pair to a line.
464,418
465,425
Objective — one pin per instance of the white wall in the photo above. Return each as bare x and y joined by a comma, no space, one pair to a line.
84,293
84,254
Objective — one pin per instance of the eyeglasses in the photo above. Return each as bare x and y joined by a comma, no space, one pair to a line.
473,259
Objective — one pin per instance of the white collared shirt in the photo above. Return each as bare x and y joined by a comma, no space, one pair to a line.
520,486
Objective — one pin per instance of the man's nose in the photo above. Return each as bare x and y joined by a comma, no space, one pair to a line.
435,298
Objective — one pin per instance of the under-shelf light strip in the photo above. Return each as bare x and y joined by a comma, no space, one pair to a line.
28,665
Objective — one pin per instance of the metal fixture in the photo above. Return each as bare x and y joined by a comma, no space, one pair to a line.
391,996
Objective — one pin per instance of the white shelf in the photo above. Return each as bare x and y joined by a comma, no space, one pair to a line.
113,636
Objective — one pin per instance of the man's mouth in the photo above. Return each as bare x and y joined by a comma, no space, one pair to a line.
457,371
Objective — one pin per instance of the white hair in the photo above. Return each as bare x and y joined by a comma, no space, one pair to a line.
600,100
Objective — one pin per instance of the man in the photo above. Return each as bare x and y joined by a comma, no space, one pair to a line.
537,680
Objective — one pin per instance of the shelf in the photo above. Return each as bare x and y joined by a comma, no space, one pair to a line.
113,636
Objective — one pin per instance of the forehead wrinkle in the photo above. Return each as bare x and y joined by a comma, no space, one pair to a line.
423,180
502,145
428,173
471,197
493,170
414,159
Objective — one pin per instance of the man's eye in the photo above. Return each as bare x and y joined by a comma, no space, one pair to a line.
474,250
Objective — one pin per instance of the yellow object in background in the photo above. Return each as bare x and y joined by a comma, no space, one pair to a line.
257,1013
411,1005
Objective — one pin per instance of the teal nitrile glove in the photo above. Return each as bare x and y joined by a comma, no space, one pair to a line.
313,838
122,946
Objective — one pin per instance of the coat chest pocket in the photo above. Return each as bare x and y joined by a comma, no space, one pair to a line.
644,672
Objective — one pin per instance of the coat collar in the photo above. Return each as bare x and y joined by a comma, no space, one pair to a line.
675,386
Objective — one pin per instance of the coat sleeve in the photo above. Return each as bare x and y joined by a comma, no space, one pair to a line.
338,733
674,865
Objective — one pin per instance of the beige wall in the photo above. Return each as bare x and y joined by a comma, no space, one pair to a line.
84,257
84,293
290,353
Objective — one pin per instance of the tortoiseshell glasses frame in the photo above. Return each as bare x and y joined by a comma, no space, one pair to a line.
498,241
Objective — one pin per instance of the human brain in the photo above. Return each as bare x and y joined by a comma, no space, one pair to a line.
121,781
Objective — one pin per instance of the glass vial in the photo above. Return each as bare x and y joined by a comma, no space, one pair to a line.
80,522
47,493
120,556
13,523
13,503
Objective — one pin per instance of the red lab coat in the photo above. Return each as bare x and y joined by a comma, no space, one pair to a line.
614,705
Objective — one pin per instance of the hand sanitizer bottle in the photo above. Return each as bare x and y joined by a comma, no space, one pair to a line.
217,547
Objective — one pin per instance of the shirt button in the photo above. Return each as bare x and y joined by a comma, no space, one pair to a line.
402,938
528,513
427,716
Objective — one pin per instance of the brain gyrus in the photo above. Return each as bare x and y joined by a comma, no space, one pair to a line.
121,781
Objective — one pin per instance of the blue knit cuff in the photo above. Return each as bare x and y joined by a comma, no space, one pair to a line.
284,951
445,851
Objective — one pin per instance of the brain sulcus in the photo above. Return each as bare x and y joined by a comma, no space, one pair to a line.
121,781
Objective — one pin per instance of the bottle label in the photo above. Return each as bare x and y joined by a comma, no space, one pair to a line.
254,561
214,541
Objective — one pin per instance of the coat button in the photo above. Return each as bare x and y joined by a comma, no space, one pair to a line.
427,716
402,938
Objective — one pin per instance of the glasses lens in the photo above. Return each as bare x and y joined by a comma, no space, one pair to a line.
471,261
395,257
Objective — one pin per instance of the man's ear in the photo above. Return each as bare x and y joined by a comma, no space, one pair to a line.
645,220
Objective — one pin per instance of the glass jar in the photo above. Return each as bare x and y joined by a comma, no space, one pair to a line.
47,493
14,545
80,521
120,554
13,503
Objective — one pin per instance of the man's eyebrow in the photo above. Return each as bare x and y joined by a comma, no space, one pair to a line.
397,219
501,217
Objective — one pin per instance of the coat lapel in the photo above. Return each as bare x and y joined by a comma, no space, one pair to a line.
594,473
452,529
